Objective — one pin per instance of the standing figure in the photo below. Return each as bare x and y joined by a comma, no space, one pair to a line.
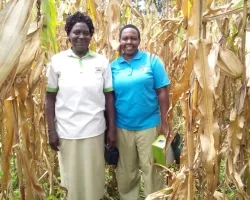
141,102
79,90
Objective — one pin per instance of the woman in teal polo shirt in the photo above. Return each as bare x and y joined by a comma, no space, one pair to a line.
141,101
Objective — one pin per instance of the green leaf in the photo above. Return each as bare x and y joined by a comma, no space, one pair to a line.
49,29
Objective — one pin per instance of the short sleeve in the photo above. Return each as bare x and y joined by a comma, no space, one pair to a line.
52,85
160,75
107,75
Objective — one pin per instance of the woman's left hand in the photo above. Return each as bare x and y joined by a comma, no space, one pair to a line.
111,138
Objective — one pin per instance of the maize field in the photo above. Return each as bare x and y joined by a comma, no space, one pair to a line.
205,45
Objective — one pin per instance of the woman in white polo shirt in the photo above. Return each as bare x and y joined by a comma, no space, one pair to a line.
79,90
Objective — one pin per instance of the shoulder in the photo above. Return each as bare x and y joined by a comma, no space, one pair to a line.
154,59
58,60
60,55
115,62
145,53
148,56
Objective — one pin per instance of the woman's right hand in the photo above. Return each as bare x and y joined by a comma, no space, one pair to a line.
54,140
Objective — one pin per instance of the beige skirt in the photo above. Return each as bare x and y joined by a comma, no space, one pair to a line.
82,167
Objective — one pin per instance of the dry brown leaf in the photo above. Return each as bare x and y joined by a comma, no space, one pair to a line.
9,140
235,134
209,3
30,176
183,84
23,91
31,47
209,129
223,25
220,196
164,193
135,11
113,17
217,10
37,72
189,137
12,39
179,57
178,5
212,61
185,10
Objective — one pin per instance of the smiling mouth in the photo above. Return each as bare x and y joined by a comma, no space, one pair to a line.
129,48
81,43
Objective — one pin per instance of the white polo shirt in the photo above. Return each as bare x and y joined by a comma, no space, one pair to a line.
80,84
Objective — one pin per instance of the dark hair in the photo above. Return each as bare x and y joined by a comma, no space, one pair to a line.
130,26
79,17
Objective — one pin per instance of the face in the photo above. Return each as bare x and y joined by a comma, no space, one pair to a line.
129,42
80,38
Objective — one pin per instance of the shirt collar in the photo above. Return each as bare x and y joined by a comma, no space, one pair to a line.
138,56
71,53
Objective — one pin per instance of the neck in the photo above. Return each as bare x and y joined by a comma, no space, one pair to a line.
128,57
80,53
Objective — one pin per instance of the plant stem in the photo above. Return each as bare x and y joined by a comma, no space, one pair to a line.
244,22
200,18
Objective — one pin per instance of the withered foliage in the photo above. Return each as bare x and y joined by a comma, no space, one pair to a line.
205,47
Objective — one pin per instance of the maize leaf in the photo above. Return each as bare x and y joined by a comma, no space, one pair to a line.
183,84
220,196
92,7
8,142
31,47
113,23
134,10
30,175
13,32
49,30
209,128
37,71
235,134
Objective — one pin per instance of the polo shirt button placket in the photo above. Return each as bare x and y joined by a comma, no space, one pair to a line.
81,66
130,70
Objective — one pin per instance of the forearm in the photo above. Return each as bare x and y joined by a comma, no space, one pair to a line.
163,98
50,111
110,110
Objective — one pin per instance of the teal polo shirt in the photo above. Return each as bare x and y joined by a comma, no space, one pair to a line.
135,83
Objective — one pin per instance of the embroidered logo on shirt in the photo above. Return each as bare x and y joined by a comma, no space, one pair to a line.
98,69
144,69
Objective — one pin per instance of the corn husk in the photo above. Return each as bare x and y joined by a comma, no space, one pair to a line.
15,22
